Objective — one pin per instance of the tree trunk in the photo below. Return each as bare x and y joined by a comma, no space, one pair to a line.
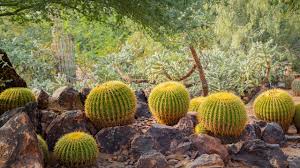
201,71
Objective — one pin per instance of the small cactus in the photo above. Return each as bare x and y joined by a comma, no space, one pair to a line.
297,117
275,105
223,114
168,102
296,87
43,147
195,103
76,149
200,129
15,97
111,104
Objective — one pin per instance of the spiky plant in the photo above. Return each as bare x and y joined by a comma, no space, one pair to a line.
200,129
110,104
297,117
168,102
43,147
223,114
296,87
275,105
76,149
195,103
15,97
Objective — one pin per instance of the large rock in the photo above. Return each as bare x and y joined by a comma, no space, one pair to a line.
294,161
65,98
152,159
19,144
273,134
65,123
141,96
142,144
42,98
185,125
207,161
9,77
112,139
142,110
84,92
46,119
257,153
251,131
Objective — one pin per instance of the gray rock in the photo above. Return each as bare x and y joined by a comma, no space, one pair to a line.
46,119
185,125
142,110
207,161
152,159
193,116
142,144
273,134
84,92
294,161
42,98
252,131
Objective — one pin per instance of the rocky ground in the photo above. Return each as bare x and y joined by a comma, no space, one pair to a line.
143,144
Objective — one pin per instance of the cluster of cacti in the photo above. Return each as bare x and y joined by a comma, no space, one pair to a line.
15,97
223,113
275,105
76,149
43,147
195,103
200,129
168,102
296,87
111,104
297,117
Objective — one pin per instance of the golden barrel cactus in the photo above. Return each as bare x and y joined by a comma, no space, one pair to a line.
195,103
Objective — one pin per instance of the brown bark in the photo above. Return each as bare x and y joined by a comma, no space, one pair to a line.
201,71
268,73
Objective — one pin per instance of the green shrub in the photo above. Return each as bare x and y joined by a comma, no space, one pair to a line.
110,104
76,149
296,87
195,103
43,147
168,102
275,105
223,113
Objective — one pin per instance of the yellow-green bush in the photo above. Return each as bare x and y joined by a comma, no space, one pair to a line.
168,102
195,103
111,104
296,87
275,105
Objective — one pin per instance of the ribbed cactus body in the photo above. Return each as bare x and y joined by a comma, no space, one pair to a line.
296,87
223,113
15,97
168,102
200,129
195,103
76,149
275,105
110,104
297,117
43,147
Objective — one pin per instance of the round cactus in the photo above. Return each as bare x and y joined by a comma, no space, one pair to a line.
76,149
111,104
195,103
223,114
296,87
168,102
275,105
297,117
200,129
15,97
43,147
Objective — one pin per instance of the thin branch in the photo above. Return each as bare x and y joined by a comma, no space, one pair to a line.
190,72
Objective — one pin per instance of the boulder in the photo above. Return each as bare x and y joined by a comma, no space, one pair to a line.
294,161
193,116
65,98
19,144
46,119
42,98
251,131
207,161
273,134
257,153
67,122
141,96
152,159
142,110
142,144
185,125
84,92
112,139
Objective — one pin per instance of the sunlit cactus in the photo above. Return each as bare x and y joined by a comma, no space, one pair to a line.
168,102
43,147
275,105
297,117
200,129
15,97
223,114
76,149
296,87
195,103
111,104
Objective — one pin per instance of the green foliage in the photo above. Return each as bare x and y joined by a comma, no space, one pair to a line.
76,149
195,103
44,148
275,105
168,102
296,87
297,117
110,104
200,129
223,113
15,97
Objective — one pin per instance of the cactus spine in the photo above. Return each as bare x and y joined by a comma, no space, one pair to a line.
195,103
15,97
168,102
223,114
110,104
275,105
296,87
76,149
